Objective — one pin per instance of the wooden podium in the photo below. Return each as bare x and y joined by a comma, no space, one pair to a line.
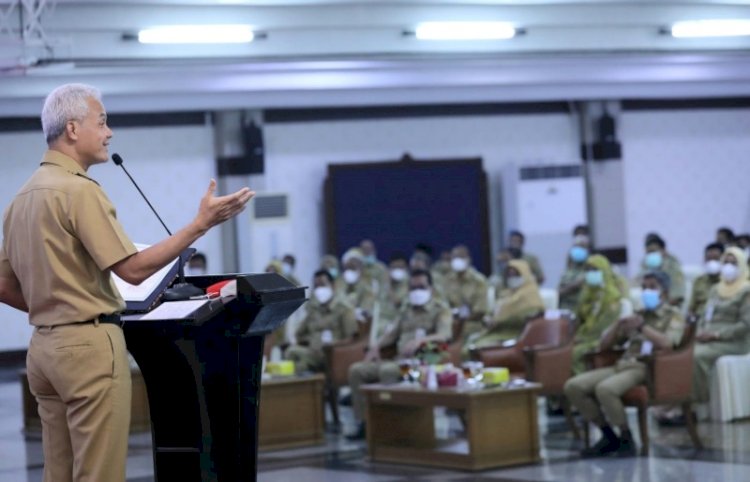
203,375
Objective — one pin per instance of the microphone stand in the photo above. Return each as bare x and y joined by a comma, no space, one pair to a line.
181,290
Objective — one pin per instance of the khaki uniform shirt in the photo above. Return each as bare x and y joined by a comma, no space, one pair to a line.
672,267
665,319
434,318
393,299
358,295
377,273
336,316
574,273
60,239
470,290
534,265
729,318
701,288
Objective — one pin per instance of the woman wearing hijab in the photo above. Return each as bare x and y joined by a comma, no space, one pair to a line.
519,301
598,307
725,324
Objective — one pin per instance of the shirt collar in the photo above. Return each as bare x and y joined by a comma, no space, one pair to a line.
59,159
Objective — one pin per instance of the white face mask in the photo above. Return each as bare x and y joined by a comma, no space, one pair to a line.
286,268
729,272
351,276
419,297
515,282
398,274
323,294
459,264
713,267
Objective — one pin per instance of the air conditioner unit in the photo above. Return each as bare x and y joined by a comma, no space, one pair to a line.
270,229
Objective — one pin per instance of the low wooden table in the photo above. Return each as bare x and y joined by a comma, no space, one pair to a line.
501,426
291,412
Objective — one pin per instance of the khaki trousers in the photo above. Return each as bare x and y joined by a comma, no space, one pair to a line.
598,393
306,359
80,377
369,372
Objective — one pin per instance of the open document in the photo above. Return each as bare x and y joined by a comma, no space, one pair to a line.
143,296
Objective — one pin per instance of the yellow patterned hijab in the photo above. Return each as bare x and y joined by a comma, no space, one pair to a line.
595,298
525,299
728,290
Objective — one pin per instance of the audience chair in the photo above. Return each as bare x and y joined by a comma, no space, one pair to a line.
669,381
339,357
543,354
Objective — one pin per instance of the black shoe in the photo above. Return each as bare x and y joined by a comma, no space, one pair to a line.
627,447
358,434
346,400
603,447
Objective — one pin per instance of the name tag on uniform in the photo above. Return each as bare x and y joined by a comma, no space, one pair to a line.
647,347
709,313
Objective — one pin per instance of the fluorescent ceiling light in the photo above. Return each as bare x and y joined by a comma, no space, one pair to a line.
197,34
711,28
465,31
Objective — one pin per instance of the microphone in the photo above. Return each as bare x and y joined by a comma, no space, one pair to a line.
179,291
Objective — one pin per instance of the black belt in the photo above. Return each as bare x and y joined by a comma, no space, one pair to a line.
111,319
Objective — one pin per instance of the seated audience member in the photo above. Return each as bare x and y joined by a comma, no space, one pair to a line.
657,258
425,319
725,324
702,284
331,264
329,319
517,240
725,237
288,263
442,266
395,293
274,266
420,260
573,277
598,307
355,286
465,289
743,242
598,393
373,269
517,303
196,265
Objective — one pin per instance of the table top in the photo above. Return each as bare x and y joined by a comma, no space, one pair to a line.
292,379
458,392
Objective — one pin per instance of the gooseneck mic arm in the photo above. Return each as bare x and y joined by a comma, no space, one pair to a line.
118,160
181,290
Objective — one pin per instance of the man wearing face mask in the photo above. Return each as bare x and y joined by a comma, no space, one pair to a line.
394,295
196,266
725,323
597,393
355,286
466,291
288,262
517,240
373,269
703,283
329,319
424,319
658,259
331,264
573,278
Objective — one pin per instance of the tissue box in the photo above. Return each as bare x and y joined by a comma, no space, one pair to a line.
285,367
495,376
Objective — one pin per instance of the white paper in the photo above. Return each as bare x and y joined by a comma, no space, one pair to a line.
647,347
142,291
174,310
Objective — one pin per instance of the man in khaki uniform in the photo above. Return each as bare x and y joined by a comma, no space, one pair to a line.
61,241
658,258
465,289
355,286
374,269
702,284
597,393
425,319
329,319
394,295
517,240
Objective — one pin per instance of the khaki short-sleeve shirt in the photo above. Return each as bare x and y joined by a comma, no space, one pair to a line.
60,239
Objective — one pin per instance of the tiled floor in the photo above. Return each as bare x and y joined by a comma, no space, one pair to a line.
725,459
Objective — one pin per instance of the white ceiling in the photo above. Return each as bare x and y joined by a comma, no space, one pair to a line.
337,52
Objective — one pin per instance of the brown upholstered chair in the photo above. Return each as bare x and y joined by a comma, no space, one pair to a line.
339,357
543,354
669,381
